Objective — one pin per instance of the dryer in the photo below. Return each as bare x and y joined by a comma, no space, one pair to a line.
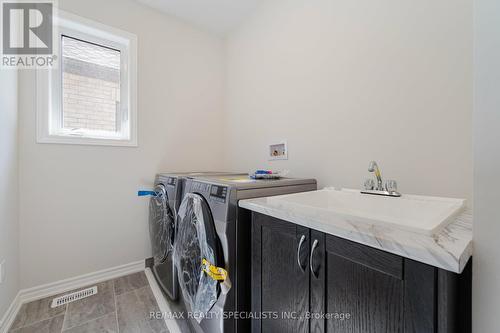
163,206
212,228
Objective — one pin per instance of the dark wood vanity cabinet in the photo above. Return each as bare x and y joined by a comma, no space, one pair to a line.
306,281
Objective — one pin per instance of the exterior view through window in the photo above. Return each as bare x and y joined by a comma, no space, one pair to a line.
90,87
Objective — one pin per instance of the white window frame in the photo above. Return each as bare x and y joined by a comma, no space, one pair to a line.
49,86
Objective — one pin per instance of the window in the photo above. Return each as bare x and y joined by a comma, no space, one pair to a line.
90,88
89,98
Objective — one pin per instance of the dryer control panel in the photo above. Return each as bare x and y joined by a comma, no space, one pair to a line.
218,193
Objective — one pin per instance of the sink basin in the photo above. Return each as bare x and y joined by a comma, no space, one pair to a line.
421,214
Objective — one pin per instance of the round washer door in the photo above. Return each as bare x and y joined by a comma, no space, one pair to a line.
196,239
161,224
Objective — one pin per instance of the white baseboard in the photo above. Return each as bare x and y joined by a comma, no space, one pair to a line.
50,289
10,315
54,288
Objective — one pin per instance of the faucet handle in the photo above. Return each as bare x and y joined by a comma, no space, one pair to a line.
369,184
391,185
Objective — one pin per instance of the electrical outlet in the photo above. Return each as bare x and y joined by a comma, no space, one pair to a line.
2,271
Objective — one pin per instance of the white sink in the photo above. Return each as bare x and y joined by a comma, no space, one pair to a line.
421,214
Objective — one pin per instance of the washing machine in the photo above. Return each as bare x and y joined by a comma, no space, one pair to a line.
213,239
163,206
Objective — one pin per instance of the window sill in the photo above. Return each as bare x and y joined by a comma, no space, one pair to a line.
75,140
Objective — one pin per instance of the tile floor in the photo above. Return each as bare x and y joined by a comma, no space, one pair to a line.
121,305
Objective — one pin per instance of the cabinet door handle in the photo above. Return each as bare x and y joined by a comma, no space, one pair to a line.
299,249
311,266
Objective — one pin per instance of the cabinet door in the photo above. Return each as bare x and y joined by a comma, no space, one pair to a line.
280,276
363,283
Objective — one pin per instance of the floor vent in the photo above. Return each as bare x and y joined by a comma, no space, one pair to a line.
73,297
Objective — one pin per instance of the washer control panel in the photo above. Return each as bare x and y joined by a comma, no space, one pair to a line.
200,187
218,193
171,181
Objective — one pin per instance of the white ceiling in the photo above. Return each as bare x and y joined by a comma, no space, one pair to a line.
218,16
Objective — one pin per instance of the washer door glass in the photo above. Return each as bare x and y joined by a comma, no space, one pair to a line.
161,224
196,239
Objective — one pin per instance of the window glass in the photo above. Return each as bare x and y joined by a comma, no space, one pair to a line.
90,87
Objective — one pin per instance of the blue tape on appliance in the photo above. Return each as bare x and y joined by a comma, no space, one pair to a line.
146,193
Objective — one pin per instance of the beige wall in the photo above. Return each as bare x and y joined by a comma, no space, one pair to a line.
486,279
9,228
346,82
79,209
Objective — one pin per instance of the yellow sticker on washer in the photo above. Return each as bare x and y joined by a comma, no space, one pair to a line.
216,273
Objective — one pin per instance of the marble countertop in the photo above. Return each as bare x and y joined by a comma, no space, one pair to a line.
450,249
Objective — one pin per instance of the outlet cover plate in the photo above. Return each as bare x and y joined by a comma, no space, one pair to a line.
278,151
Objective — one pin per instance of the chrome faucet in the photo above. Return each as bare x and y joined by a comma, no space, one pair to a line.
373,167
390,189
